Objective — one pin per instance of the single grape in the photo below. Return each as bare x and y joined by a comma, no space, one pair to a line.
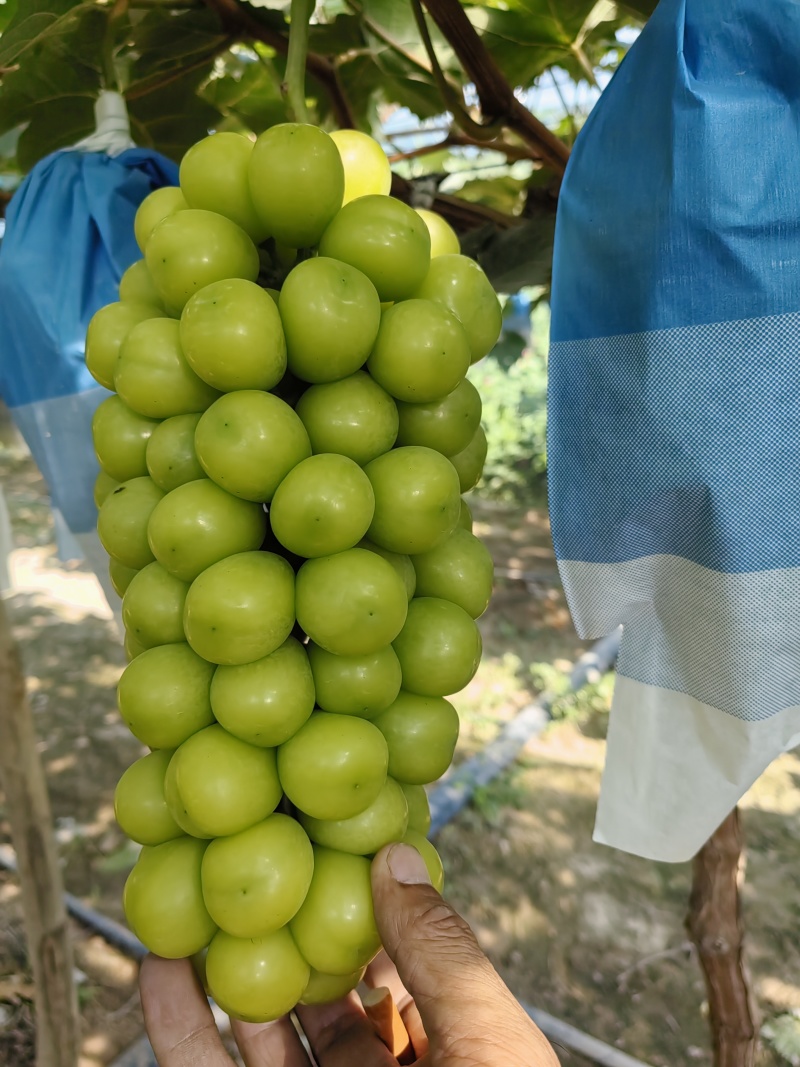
139,804
193,248
267,701
163,695
335,928
103,485
351,603
355,685
421,352
123,520
331,313
256,979
255,881
384,239
198,524
108,328
324,505
154,209
459,569
163,899
152,375
366,167
421,733
222,784
448,425
364,834
417,499
136,286
152,608
444,240
296,181
213,176
241,608
170,454
120,575
248,441
355,417
120,439
334,767
470,460
232,336
439,647
459,283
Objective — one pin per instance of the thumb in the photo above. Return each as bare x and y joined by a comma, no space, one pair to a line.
462,1000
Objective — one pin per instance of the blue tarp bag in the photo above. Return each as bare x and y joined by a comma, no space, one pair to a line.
674,411
69,237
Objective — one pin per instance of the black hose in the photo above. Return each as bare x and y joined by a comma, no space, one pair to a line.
455,792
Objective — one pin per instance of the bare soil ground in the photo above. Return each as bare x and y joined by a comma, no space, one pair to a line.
588,934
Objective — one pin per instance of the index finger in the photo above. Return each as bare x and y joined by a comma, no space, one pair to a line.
178,1019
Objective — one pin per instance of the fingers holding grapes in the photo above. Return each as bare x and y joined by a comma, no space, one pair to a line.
454,1010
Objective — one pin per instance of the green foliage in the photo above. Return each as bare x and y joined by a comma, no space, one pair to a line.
516,257
185,71
513,384
57,54
783,1034
593,700
504,792
527,36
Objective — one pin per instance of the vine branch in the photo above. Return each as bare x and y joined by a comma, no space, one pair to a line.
497,99
236,19
461,214
715,925
461,140
453,98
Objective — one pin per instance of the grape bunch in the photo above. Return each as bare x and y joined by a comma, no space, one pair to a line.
283,459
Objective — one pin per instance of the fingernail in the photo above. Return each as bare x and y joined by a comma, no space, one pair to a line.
407,866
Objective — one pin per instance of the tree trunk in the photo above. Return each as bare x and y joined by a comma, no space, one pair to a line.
715,925
28,807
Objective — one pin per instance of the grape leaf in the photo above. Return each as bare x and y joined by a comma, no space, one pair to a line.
174,116
41,21
513,258
504,194
54,124
337,36
164,41
54,89
525,41
8,10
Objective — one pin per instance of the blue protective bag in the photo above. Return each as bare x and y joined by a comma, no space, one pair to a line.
68,240
674,411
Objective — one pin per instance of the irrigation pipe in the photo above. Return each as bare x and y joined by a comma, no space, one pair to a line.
112,932
446,801
455,791
561,1033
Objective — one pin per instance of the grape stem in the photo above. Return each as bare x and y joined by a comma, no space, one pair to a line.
295,84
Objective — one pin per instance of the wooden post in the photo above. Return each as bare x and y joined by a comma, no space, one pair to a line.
28,806
715,925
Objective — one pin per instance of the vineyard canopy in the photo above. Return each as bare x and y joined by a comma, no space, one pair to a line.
454,88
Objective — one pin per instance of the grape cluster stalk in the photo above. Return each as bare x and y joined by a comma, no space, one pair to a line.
283,459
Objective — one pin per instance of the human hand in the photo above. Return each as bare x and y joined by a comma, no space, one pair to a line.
457,1010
